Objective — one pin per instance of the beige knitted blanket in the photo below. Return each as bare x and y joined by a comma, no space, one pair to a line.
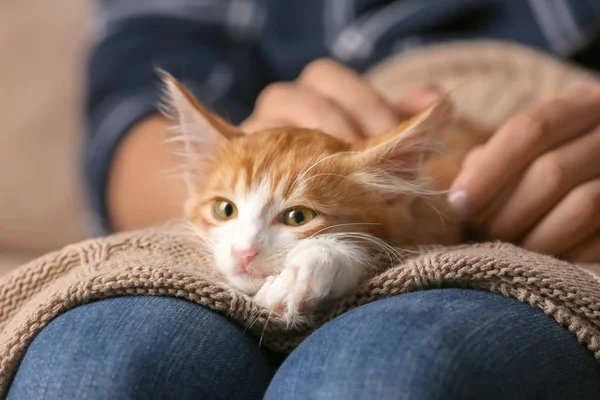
495,80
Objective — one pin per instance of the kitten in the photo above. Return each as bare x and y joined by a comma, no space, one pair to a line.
291,215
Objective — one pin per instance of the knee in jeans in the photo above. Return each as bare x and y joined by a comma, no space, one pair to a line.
437,344
149,345
95,339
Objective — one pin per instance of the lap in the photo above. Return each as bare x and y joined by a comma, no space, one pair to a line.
440,344
143,347
427,345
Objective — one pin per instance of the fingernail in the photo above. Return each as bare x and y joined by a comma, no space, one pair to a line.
460,202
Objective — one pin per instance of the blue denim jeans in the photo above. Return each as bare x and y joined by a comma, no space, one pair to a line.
437,344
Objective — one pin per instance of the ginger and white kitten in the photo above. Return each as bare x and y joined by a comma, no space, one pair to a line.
290,215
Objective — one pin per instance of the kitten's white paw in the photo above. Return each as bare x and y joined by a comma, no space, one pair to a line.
315,271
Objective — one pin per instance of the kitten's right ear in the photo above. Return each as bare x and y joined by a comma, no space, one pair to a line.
401,149
393,163
201,131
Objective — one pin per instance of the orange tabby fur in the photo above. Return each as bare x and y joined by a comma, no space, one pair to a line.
283,153
372,193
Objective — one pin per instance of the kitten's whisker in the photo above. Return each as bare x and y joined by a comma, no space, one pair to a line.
186,229
440,214
309,159
196,231
303,173
345,177
366,237
338,225
253,321
388,248
265,327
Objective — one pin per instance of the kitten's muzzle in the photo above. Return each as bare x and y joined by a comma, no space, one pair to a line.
244,256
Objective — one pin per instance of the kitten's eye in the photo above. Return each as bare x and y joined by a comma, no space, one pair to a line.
298,216
225,210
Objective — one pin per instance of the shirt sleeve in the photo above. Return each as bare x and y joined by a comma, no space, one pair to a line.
201,43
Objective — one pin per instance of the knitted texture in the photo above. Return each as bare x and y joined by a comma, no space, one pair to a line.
498,80
490,81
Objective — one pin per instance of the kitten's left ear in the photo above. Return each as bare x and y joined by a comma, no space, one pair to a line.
201,131
401,151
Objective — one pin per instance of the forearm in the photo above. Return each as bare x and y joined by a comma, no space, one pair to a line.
130,172
144,186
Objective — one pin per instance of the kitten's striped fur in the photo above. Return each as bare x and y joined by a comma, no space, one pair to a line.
386,190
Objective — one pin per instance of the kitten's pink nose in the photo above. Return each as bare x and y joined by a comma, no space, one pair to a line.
245,255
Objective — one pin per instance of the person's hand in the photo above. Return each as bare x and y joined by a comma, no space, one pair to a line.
536,182
335,99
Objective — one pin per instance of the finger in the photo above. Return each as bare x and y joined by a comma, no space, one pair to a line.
459,199
545,183
288,104
587,251
523,139
485,214
489,212
254,124
417,99
372,114
576,217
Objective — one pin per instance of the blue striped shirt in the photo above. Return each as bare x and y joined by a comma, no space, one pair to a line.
226,51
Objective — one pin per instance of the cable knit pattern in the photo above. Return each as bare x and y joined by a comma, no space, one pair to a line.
493,80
